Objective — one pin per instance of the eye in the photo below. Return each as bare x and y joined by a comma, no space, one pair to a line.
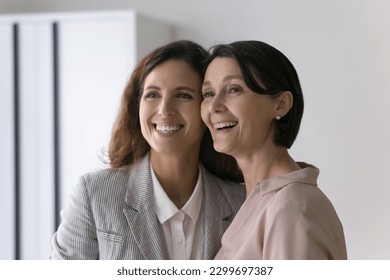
151,95
184,95
234,89
208,93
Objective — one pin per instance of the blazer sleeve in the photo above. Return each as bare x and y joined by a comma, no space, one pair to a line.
76,237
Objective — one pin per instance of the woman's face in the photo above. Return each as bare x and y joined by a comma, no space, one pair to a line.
170,109
240,120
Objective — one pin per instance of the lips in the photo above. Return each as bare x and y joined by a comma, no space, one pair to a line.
224,125
168,128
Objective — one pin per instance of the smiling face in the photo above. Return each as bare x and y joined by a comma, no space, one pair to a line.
239,119
170,109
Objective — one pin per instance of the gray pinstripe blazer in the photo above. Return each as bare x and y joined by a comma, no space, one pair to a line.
111,216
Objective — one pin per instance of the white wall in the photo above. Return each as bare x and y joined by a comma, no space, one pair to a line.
341,50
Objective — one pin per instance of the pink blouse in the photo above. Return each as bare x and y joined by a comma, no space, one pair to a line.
285,218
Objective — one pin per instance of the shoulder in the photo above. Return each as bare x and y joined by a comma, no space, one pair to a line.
130,184
116,178
304,196
105,177
296,188
307,216
304,202
100,184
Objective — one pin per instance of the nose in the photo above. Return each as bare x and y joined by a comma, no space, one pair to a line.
167,107
217,104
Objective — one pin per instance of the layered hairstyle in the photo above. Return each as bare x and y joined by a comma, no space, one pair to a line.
127,144
259,61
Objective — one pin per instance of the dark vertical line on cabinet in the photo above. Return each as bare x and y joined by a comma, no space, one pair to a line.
17,171
56,107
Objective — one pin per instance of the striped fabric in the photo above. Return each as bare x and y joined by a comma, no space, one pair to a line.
111,216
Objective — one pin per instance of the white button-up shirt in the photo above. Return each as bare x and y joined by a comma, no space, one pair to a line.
183,228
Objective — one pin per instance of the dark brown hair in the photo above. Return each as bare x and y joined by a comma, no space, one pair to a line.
127,144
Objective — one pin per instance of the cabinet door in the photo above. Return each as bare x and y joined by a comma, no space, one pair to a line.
95,59
57,112
36,130
7,141
27,179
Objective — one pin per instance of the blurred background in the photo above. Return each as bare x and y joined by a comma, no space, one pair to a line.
63,66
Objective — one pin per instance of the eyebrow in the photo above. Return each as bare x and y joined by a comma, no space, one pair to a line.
177,88
227,78
152,87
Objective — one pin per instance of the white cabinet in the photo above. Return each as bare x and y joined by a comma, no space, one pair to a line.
62,76
7,144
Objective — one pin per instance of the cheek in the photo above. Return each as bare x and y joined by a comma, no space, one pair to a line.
204,112
194,119
143,128
143,119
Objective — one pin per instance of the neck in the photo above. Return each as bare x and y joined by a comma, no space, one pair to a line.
271,162
177,175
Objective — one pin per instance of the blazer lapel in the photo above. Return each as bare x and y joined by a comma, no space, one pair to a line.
142,220
218,215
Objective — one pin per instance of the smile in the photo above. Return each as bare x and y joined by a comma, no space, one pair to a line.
224,125
168,128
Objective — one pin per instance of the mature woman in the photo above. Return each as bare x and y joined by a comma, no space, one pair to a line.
160,199
253,106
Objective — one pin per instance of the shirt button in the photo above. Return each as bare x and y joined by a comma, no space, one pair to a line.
178,240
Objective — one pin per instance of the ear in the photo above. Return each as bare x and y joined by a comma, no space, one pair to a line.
284,103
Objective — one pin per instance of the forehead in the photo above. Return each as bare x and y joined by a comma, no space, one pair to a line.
172,68
173,74
222,68
227,63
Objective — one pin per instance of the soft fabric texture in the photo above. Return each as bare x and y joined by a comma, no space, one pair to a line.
286,218
111,216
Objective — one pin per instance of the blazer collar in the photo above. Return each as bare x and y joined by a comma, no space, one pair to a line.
144,224
140,215
218,214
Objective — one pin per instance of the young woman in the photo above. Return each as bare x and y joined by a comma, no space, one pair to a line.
161,198
253,106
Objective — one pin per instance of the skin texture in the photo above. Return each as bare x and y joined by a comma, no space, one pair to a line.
171,124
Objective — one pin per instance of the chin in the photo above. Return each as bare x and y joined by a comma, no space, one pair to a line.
221,149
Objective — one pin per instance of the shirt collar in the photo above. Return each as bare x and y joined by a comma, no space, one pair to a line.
165,208
308,174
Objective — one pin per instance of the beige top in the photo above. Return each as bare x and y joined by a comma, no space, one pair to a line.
285,218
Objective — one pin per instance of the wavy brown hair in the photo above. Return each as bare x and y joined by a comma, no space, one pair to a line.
127,144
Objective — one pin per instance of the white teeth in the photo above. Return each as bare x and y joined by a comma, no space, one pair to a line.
224,125
167,128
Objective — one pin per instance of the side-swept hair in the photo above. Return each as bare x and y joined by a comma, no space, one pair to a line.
127,144
260,61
